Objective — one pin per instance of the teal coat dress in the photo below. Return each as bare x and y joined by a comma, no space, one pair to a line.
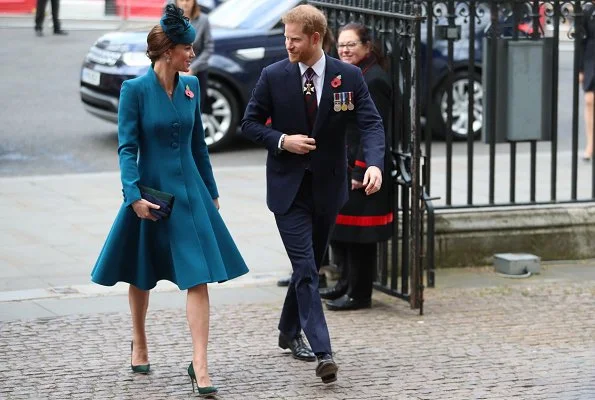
166,136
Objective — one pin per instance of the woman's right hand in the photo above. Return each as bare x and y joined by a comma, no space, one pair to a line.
142,208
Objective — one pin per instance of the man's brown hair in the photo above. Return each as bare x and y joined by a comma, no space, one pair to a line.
310,17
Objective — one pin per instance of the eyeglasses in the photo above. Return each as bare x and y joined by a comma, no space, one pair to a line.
349,45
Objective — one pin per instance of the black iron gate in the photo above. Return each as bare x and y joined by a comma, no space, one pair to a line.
396,29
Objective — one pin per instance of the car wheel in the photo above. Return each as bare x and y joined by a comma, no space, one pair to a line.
221,123
460,103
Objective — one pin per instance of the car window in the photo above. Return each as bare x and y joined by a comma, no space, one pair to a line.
254,14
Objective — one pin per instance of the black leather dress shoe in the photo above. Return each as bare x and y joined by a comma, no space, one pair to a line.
345,303
299,349
60,32
327,368
332,293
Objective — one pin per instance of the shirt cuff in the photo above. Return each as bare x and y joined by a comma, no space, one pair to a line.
280,140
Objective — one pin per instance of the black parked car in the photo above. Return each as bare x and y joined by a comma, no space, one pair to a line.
248,36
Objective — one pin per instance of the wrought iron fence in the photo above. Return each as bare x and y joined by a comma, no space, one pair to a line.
469,102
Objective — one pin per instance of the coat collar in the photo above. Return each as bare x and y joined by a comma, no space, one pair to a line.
178,83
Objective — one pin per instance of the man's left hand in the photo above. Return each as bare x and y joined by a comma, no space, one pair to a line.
372,180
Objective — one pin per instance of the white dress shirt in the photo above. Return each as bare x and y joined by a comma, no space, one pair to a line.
318,78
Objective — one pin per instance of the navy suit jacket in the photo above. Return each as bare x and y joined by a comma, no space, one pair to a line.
278,94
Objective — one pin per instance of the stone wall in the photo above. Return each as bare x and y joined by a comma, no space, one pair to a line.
472,237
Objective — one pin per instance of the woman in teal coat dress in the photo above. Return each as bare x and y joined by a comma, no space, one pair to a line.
161,145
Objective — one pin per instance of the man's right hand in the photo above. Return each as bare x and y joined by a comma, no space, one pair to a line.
581,77
299,144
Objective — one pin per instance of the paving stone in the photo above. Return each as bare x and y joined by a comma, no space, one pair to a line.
523,342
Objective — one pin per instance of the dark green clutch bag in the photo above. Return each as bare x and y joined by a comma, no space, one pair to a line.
163,199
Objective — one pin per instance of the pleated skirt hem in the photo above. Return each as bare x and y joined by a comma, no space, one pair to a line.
151,285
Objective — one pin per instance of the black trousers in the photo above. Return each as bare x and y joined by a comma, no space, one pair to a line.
40,14
357,262
305,234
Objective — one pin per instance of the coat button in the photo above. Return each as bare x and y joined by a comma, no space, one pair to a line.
174,145
175,125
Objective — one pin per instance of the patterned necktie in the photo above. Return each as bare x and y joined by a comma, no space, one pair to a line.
310,98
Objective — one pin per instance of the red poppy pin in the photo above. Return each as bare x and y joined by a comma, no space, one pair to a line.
336,82
189,93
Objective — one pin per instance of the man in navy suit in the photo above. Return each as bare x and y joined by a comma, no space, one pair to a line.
310,97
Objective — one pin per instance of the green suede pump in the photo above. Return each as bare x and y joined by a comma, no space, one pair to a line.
206,391
139,369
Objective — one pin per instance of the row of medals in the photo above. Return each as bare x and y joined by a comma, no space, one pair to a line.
343,101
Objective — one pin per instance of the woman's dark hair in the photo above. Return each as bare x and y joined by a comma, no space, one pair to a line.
364,35
329,43
195,12
157,43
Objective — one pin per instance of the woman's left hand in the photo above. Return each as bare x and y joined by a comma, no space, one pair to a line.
372,179
356,184
216,201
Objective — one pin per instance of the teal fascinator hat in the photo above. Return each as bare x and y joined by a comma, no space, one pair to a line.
177,27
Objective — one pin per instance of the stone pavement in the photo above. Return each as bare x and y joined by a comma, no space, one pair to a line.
482,337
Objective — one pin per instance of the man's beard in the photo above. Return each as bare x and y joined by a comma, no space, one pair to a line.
299,57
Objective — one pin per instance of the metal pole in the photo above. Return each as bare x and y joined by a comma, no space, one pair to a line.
416,272
493,40
517,8
578,48
451,23
430,113
471,103
555,65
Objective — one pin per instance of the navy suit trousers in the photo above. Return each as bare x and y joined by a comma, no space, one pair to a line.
305,234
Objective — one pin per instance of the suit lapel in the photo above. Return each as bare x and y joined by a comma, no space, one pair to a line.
326,98
294,85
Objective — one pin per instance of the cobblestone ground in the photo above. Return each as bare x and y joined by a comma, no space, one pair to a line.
533,342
